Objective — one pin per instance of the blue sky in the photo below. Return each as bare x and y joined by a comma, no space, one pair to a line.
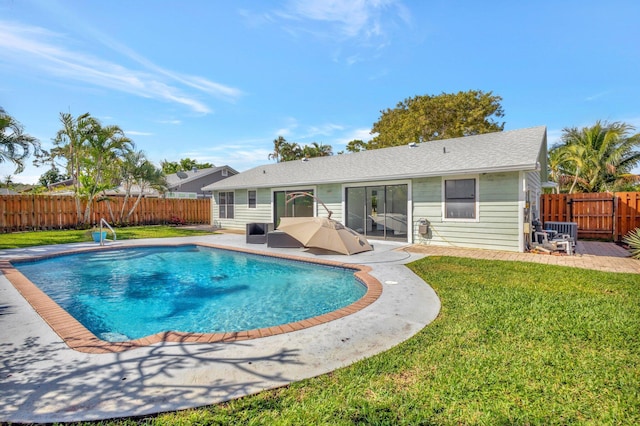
219,81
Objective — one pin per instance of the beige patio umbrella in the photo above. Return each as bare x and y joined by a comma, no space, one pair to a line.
325,233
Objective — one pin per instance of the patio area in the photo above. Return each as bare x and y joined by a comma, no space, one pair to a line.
596,255
44,381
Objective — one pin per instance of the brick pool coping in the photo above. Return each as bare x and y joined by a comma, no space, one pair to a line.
79,338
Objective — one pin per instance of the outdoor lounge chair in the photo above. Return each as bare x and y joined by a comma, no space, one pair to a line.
557,242
257,232
281,239
551,240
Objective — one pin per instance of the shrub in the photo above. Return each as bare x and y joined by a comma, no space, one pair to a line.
175,220
633,239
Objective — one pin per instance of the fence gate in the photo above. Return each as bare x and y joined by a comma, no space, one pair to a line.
604,216
595,215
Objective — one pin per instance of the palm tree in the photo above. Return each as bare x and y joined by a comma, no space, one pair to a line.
137,170
15,146
598,158
278,145
291,151
317,150
8,180
104,147
69,144
92,153
557,168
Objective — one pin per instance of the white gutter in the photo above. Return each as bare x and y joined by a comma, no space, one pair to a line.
516,168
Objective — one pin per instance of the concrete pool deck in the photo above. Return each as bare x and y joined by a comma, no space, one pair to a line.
43,380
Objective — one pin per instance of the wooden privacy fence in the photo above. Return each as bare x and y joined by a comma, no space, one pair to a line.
608,216
30,212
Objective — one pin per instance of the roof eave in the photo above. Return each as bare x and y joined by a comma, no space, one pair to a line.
388,177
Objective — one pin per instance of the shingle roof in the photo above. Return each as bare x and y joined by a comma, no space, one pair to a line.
513,150
174,181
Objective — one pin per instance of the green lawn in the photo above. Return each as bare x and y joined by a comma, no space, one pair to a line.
40,238
515,343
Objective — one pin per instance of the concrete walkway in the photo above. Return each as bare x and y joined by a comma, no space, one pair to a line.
600,256
43,380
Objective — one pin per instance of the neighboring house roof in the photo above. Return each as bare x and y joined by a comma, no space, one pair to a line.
514,150
61,183
134,192
6,191
174,181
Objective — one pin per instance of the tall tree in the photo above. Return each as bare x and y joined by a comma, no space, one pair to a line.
69,146
278,145
52,175
598,158
105,146
316,149
427,118
290,151
170,167
92,153
8,180
356,145
137,171
15,145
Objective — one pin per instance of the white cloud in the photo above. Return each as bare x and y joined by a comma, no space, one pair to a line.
362,23
137,133
340,143
240,155
597,96
38,50
290,125
634,121
327,129
359,134
284,132
353,18
553,137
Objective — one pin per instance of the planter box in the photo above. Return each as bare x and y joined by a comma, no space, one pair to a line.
96,236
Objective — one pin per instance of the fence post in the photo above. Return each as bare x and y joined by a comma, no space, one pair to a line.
614,212
33,212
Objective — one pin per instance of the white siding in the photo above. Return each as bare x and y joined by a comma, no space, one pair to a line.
331,196
535,190
242,213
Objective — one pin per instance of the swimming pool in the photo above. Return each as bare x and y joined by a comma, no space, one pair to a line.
131,293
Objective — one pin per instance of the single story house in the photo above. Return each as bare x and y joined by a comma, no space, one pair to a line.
478,191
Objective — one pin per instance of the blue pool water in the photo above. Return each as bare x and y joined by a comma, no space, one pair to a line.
130,293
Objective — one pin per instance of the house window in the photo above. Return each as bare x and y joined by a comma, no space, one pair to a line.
252,199
225,205
225,172
460,198
298,207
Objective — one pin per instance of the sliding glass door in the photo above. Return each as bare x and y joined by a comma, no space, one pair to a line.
378,211
298,207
